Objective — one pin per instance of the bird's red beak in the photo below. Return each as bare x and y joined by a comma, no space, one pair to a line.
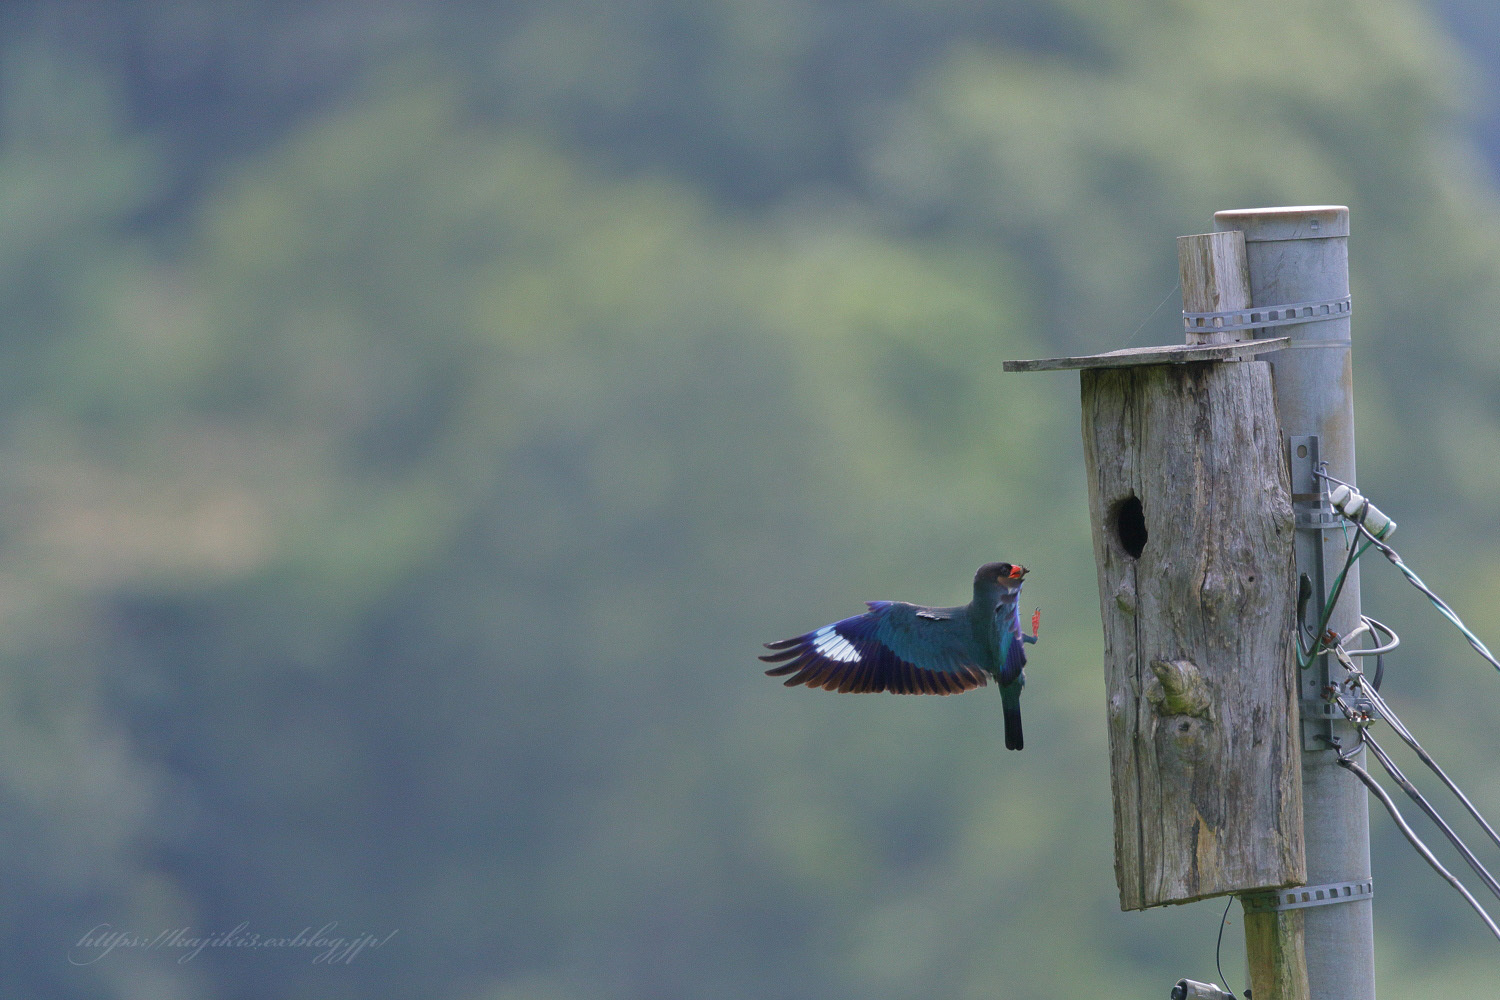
1017,572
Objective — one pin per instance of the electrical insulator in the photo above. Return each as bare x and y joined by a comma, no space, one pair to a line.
1356,507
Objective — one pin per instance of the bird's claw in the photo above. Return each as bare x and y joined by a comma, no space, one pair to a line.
1036,623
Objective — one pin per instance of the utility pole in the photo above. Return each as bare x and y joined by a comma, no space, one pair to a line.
1301,255
1209,522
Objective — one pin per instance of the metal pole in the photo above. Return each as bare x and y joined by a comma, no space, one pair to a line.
1301,255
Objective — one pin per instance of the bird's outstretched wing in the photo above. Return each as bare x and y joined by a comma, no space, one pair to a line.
892,647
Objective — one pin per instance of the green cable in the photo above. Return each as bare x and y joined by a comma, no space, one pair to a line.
1333,598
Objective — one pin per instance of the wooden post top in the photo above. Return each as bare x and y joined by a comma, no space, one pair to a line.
1215,279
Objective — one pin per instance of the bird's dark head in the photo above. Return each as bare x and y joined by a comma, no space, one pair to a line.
1001,577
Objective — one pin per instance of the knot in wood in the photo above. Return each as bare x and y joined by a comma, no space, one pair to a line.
1177,687
1204,761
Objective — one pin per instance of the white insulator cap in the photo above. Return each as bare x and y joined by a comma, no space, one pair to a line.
1354,505
1339,495
1378,524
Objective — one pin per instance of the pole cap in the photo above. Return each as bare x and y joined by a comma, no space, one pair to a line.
1295,222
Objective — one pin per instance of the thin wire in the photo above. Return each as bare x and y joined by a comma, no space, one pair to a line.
1359,630
1153,314
1371,626
1437,601
1219,945
1415,580
1348,764
1333,598
1368,624
1399,728
1322,474
1346,759
1432,814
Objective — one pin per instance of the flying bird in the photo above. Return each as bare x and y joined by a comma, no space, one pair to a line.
909,649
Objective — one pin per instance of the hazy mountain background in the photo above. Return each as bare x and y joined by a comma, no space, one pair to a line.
412,417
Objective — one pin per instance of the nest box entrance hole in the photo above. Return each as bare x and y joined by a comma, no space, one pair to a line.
1128,521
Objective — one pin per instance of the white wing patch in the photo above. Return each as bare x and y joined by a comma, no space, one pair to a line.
828,643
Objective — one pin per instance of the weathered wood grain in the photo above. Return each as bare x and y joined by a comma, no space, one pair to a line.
1275,955
1162,355
1200,674
1215,278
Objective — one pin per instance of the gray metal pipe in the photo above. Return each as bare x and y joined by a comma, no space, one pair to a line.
1302,255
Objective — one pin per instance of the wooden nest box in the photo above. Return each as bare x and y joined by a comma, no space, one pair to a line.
1193,537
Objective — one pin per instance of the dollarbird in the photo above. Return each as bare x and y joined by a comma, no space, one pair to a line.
909,649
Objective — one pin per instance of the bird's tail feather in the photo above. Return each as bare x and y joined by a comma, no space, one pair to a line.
1013,740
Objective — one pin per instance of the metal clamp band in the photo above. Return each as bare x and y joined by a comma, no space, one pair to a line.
1328,711
1308,895
1264,316
1325,519
1309,345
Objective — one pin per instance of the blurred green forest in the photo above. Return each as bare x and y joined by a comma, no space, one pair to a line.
414,417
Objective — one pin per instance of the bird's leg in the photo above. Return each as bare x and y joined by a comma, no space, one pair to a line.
1036,627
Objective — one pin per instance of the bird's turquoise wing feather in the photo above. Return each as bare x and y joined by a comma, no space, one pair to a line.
894,647
1012,646
935,638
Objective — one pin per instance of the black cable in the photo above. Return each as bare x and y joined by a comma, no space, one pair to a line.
1346,759
1416,842
1400,730
1432,814
1218,945
1304,597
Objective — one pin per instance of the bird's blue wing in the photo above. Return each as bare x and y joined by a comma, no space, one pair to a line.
892,647
1012,646
1014,660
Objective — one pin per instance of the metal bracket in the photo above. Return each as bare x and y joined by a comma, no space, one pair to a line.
1309,499
1322,711
1317,345
1315,514
1308,895
1260,317
1322,520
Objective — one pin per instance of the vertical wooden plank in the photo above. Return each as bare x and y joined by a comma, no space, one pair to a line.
1215,629
1275,955
1200,674
1215,278
1110,453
